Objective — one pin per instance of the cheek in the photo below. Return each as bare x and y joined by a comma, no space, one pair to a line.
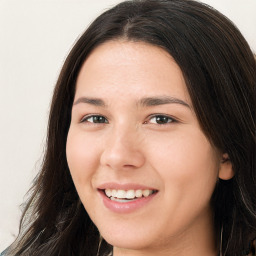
82,158
188,165
187,155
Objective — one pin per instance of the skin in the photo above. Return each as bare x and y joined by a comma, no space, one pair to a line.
175,157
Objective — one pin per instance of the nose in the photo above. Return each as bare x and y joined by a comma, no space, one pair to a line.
123,150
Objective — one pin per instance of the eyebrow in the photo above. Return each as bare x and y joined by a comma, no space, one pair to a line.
91,101
144,102
161,100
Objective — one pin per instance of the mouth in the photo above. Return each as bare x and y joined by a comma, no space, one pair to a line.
124,196
124,199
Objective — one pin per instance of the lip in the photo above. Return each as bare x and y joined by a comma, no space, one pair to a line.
125,207
127,186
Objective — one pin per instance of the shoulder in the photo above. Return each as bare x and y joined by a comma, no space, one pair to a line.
3,253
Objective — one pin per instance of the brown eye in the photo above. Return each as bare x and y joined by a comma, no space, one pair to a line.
161,119
96,119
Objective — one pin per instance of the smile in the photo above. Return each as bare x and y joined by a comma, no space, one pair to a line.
126,200
127,195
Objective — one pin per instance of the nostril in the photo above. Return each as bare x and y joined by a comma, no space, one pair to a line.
122,158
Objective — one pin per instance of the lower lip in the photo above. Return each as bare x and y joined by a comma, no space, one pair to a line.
125,207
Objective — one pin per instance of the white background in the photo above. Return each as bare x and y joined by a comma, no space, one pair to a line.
35,37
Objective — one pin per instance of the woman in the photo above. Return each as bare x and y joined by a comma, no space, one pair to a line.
151,139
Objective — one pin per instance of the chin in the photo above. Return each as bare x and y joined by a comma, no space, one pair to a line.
131,240
130,244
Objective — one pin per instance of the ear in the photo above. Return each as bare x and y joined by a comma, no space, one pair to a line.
226,170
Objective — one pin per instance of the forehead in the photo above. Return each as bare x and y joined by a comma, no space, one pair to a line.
126,67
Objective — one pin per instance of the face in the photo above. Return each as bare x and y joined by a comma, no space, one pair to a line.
142,166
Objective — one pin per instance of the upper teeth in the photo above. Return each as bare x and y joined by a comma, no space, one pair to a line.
128,194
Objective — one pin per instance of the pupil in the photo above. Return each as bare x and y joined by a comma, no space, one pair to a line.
162,120
98,119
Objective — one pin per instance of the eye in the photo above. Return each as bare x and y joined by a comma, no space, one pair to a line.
96,119
161,119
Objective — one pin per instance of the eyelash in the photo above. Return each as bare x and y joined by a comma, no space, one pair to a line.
168,119
86,118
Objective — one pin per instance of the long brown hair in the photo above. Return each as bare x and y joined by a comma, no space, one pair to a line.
220,74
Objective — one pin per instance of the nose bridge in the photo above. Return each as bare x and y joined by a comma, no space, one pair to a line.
123,147
124,135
